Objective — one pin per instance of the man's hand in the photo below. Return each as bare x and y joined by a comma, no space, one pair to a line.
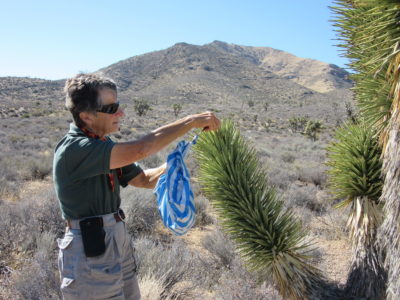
206,120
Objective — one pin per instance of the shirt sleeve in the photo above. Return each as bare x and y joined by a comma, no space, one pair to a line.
128,173
88,157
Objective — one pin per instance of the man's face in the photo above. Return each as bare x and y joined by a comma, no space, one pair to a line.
104,123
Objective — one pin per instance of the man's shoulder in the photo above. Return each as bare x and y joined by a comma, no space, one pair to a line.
71,142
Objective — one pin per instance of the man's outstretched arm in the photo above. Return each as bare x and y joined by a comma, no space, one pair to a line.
124,154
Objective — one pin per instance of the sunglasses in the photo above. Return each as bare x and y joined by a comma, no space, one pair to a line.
109,108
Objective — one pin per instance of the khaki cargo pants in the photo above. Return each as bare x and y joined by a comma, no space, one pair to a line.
111,275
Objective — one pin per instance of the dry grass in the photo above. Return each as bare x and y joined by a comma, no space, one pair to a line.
209,271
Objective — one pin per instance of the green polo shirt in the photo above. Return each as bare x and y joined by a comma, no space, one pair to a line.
80,170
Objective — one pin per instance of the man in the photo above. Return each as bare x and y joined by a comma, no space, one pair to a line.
96,256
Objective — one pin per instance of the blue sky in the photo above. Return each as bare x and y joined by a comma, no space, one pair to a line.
57,39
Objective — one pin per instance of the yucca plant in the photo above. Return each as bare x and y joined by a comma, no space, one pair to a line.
354,158
268,237
370,33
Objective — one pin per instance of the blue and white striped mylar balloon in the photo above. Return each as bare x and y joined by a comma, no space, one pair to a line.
174,195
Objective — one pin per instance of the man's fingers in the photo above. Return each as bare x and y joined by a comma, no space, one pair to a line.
208,121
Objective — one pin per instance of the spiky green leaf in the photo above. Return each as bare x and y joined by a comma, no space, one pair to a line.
267,236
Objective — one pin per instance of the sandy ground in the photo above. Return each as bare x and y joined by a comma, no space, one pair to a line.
335,257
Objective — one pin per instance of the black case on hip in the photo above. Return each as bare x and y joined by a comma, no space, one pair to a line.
93,236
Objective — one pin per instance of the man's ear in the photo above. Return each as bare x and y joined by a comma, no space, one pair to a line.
87,117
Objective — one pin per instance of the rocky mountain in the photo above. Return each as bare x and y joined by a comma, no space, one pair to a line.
219,69
219,74
258,87
240,62
212,76
313,74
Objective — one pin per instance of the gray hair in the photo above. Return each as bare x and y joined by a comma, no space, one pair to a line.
82,94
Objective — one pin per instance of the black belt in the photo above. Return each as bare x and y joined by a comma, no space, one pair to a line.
118,216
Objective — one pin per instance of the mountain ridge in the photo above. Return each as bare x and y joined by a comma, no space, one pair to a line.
310,73
211,76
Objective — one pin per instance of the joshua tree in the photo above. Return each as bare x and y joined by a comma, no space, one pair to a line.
177,108
370,33
268,237
142,107
355,178
312,128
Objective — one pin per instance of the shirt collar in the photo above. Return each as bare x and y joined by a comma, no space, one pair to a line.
75,130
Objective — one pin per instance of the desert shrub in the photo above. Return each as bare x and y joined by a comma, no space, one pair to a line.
305,196
312,128
220,247
24,223
304,215
169,264
306,126
297,124
8,189
288,157
39,168
47,212
203,216
141,107
141,210
8,172
281,177
17,235
351,113
177,108
45,244
151,288
37,278
237,283
312,173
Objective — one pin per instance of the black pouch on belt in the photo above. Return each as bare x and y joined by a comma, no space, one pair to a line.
93,236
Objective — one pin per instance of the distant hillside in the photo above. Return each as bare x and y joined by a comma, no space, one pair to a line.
260,88
229,60
211,76
313,74
219,74
252,84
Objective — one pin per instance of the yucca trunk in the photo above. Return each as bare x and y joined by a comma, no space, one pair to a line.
371,34
354,158
267,236
389,234
367,277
